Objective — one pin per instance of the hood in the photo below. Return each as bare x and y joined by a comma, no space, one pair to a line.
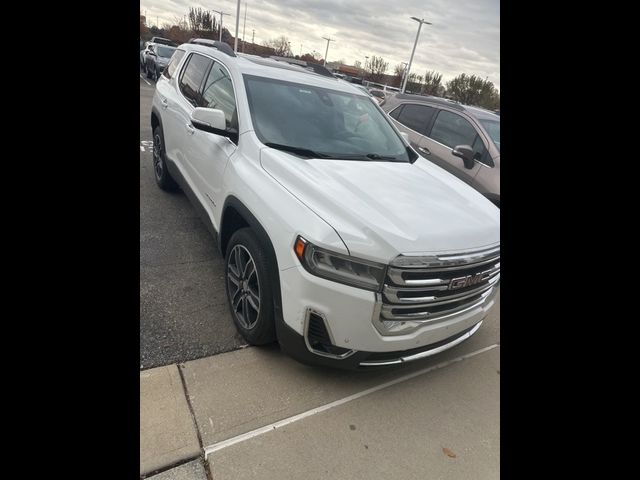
382,209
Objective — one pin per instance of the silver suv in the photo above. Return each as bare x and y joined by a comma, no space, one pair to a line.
461,139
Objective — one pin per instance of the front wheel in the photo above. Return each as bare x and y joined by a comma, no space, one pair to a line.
249,291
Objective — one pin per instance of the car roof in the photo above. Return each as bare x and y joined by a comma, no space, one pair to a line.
477,112
271,68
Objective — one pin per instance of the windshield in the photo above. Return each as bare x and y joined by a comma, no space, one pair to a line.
322,122
165,52
493,129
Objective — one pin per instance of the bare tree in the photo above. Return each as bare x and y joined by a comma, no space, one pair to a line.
398,71
281,45
201,20
375,68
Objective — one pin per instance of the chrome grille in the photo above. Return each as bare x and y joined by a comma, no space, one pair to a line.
429,288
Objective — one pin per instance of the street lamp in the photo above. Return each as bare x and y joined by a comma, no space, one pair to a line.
235,40
221,14
406,75
327,50
404,72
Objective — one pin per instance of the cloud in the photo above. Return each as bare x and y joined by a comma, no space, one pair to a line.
464,37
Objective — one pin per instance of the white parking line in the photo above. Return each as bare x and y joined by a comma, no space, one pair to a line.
287,421
144,79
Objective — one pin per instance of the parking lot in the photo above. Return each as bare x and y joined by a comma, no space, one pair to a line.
183,307
208,403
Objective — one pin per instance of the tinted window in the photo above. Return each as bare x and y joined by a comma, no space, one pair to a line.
191,79
173,63
451,130
416,117
218,93
396,112
493,129
165,52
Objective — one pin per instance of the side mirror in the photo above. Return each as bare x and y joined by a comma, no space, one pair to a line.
465,152
213,121
405,135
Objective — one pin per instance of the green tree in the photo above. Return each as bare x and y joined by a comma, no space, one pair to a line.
432,80
473,90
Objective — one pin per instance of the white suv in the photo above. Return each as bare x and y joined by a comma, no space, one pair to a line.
335,243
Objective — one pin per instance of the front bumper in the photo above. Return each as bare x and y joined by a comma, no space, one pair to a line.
349,315
297,347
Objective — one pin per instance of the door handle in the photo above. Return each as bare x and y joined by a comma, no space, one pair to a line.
164,102
190,128
424,150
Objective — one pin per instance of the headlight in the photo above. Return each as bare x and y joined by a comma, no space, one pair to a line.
338,267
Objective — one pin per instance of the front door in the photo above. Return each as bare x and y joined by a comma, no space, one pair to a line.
450,130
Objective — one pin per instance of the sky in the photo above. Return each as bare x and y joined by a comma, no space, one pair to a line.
464,37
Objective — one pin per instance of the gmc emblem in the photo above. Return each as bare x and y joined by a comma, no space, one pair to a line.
469,280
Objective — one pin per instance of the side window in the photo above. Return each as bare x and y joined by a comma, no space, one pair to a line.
416,117
451,130
191,78
218,93
396,112
173,63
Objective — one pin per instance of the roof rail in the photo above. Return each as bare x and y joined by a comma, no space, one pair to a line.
315,67
223,47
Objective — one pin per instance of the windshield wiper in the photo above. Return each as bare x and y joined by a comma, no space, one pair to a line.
298,150
313,154
375,156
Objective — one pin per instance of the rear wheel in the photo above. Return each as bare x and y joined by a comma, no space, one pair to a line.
163,178
249,292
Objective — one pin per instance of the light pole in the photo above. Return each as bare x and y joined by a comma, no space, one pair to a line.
244,26
327,50
235,41
406,75
221,14
404,72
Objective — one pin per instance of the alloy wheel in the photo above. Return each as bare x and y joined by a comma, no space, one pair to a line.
244,287
157,156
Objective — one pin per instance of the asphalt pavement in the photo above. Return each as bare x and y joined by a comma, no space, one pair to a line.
183,306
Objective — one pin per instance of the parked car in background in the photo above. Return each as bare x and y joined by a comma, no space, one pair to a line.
143,55
157,59
378,95
163,41
461,139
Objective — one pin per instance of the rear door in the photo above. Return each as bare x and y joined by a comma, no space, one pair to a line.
167,94
449,130
413,119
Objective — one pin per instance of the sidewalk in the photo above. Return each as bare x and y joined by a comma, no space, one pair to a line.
255,413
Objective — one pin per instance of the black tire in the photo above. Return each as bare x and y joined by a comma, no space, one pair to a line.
258,325
163,178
